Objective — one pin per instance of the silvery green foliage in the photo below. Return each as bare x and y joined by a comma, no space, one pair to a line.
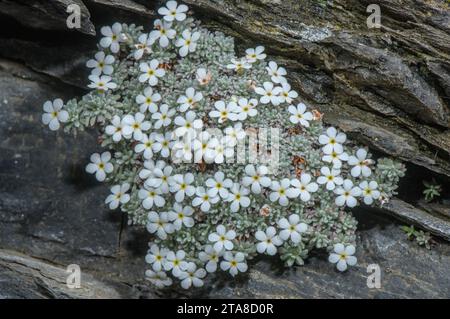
312,173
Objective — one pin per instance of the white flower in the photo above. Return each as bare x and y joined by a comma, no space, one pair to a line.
54,114
246,108
256,178
287,94
239,65
163,144
156,257
360,164
222,238
181,185
234,263
192,276
219,185
267,241
188,42
144,46
112,37
188,101
335,158
347,194
135,125
181,216
159,279
115,129
149,166
147,101
151,196
188,124
160,178
102,83
343,256
100,165
234,134
332,140
204,200
292,228
163,117
118,196
299,115
203,77
101,64
175,262
172,11
303,187
224,111
369,191
270,94
330,177
204,147
159,224
222,150
210,257
253,55
277,73
182,150
163,31
146,145
238,197
280,191
151,72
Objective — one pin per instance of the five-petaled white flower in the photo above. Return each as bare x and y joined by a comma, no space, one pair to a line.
172,11
101,83
234,263
151,72
189,100
54,114
149,166
100,165
219,185
270,94
268,241
238,197
224,111
163,31
233,134
163,117
343,256
210,257
151,196
146,145
180,216
101,64
188,42
181,185
292,228
277,73
175,262
255,178
204,147
204,200
303,187
287,94
239,65
112,37
188,125
369,191
163,144
144,46
222,238
135,125
280,191
192,276
332,140
159,278
160,178
330,177
347,194
159,224
299,115
335,158
360,164
118,196
115,129
253,55
246,108
147,101
156,257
